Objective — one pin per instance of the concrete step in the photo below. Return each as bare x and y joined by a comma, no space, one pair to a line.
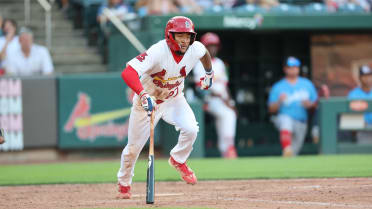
40,16
59,34
20,5
74,50
78,68
76,41
41,24
76,59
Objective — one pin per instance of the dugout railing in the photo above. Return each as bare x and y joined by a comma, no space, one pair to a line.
337,132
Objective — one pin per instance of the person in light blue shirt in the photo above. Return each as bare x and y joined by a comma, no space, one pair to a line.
290,98
363,92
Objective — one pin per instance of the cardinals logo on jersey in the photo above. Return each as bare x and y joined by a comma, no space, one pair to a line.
159,81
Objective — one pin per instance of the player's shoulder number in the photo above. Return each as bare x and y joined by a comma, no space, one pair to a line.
142,57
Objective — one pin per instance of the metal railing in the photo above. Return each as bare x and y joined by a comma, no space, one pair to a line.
124,30
48,19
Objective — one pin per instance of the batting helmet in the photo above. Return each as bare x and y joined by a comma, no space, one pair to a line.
178,24
209,39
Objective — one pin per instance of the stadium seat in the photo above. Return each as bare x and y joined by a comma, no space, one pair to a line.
250,8
286,9
350,8
216,9
315,8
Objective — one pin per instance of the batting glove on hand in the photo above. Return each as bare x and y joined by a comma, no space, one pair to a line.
147,102
207,81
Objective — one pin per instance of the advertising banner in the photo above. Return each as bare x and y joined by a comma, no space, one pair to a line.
11,113
93,111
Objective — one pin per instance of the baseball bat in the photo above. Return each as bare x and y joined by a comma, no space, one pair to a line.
150,190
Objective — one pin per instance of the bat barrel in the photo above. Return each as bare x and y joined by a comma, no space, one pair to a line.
150,191
150,186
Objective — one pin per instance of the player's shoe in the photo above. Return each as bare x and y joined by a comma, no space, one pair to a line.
186,173
230,153
287,152
124,192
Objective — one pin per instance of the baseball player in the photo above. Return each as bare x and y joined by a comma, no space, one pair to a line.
2,140
290,98
219,102
364,92
157,77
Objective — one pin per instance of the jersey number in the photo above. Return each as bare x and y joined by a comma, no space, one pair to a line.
141,57
173,93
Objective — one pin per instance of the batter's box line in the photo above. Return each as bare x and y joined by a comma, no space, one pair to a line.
301,203
160,195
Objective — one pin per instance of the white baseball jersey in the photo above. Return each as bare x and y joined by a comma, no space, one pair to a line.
220,78
225,117
161,76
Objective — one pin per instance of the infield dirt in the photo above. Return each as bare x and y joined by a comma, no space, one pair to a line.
257,194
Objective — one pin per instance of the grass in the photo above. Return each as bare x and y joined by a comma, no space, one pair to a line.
317,166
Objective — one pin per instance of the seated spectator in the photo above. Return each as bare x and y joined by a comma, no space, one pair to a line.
205,4
64,4
334,5
1,23
122,11
29,58
189,6
141,7
226,4
8,42
365,4
268,4
161,7
264,4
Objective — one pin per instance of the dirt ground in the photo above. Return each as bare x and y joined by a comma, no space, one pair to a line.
251,194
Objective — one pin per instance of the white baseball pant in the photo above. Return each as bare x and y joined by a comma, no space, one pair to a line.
297,128
174,111
225,122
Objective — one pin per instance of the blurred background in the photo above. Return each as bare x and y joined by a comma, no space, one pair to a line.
68,99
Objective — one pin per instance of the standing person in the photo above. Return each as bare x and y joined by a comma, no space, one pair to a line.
2,139
219,102
162,70
290,98
323,92
1,23
29,58
362,92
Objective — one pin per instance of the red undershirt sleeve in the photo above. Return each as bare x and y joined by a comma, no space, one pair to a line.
131,78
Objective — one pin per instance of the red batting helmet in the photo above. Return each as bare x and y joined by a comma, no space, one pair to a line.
209,39
178,24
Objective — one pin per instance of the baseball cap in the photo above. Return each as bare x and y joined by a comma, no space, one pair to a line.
293,62
365,70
